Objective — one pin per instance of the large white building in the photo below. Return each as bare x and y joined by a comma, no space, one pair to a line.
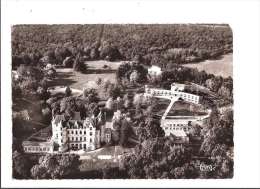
177,91
75,134
72,135
178,126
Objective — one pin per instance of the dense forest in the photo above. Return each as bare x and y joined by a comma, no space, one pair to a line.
152,44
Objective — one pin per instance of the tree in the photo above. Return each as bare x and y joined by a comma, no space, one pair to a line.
127,101
119,103
124,132
150,128
16,90
79,65
224,92
110,104
21,166
99,81
90,95
154,158
55,166
139,99
94,53
68,91
68,62
114,90
46,112
134,77
43,93
214,83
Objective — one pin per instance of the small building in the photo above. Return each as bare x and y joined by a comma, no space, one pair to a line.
177,87
38,147
154,71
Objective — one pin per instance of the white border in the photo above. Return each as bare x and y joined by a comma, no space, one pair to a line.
243,17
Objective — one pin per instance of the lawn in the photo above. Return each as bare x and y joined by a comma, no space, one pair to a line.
99,64
222,67
161,106
77,80
181,108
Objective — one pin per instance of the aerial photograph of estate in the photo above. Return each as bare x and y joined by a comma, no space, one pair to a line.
122,101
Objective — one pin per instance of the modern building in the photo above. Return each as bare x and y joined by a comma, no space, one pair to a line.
177,91
178,126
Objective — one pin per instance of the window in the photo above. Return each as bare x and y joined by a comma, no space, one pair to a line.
72,132
47,149
80,132
90,128
85,147
76,132
44,149
85,139
90,140
90,133
84,132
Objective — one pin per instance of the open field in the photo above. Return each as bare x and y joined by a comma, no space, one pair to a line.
222,67
99,64
77,80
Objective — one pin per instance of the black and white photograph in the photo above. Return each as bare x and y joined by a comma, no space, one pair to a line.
122,101
130,94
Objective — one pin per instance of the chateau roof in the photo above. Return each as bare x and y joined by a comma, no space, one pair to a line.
76,116
59,118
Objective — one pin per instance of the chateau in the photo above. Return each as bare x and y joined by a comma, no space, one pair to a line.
72,135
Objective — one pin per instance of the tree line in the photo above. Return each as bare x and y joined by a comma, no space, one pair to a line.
152,44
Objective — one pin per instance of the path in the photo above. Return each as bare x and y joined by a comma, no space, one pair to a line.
169,107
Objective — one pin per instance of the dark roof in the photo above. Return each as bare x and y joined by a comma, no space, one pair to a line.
59,118
76,116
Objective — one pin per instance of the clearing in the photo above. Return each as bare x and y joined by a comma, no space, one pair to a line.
78,80
220,67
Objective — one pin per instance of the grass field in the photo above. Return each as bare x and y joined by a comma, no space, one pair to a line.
77,80
222,67
95,65
161,106
180,108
